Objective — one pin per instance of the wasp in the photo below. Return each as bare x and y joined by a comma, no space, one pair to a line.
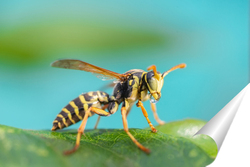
133,86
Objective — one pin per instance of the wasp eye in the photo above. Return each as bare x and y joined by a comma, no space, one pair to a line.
153,84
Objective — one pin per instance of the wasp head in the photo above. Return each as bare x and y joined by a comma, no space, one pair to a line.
154,84
155,80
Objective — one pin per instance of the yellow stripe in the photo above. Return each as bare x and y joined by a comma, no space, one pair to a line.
55,121
77,114
90,93
69,115
86,107
81,97
59,124
59,115
100,96
98,93
64,121
76,109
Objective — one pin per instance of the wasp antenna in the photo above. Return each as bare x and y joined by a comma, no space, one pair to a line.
182,65
153,67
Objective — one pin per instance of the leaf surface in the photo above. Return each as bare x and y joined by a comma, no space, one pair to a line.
111,147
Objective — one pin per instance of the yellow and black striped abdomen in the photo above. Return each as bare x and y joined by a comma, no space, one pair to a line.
75,110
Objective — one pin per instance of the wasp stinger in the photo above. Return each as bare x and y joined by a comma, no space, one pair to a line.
134,85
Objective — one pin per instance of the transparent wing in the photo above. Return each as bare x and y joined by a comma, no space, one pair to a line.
81,65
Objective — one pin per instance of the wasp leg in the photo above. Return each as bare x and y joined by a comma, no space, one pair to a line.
99,117
82,127
97,121
153,107
128,110
125,125
139,104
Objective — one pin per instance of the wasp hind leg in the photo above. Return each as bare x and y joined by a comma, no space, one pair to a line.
97,121
82,127
99,117
125,125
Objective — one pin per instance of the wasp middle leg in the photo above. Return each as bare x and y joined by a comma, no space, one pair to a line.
99,117
125,125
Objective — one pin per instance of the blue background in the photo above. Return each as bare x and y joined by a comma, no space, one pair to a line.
211,37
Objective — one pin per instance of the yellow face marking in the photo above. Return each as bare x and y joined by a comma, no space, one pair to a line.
75,109
69,115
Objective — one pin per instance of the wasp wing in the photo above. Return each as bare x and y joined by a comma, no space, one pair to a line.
81,65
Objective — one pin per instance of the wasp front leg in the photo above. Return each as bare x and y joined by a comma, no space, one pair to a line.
146,97
158,120
139,104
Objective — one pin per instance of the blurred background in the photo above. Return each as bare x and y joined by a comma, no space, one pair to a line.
211,37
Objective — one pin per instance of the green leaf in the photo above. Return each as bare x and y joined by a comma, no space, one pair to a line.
110,147
187,128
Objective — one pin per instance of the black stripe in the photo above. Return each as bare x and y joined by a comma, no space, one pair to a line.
64,114
89,105
70,108
63,125
87,97
75,118
58,119
68,122
104,94
82,113
78,102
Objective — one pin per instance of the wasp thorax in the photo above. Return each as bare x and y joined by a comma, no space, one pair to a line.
154,84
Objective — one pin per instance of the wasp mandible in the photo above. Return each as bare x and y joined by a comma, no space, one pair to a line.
134,85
